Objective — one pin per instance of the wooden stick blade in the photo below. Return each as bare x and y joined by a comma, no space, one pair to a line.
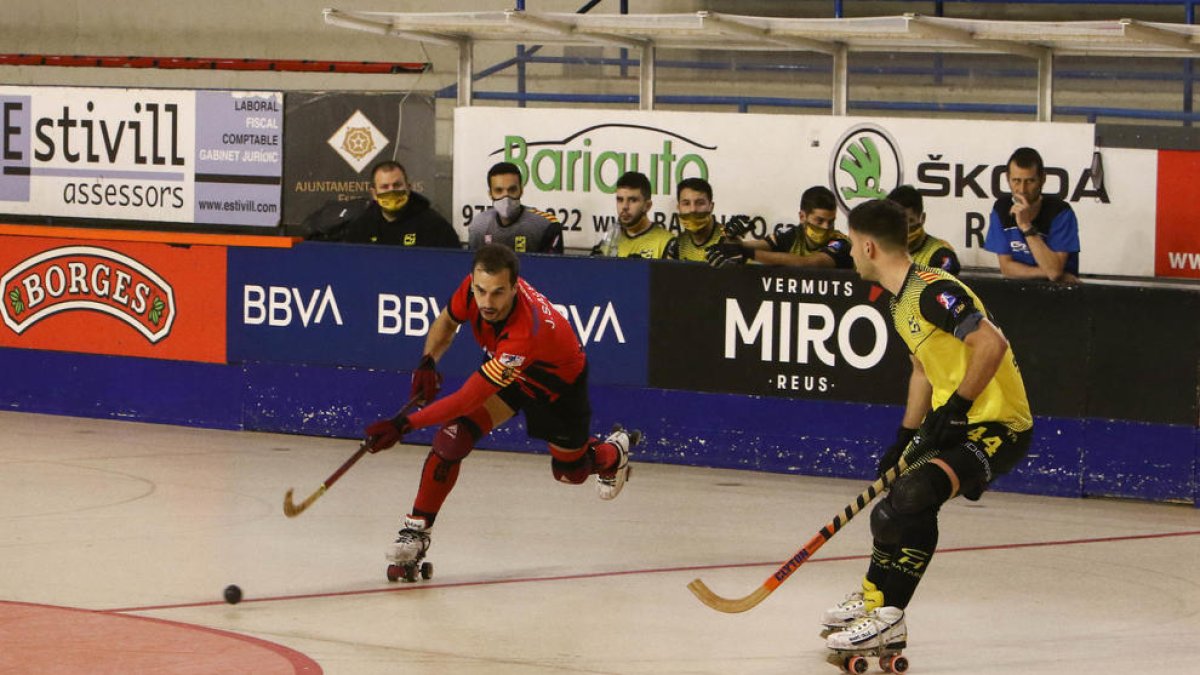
734,606
292,510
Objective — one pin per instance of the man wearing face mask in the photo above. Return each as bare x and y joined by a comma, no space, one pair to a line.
694,200
812,243
399,216
1034,235
924,248
510,223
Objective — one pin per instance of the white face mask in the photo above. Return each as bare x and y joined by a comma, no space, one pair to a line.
507,207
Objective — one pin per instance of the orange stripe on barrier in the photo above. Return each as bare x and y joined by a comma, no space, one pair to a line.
156,236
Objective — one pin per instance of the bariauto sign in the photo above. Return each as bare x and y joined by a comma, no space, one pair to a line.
87,278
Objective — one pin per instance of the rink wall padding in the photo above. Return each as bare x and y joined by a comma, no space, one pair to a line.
757,368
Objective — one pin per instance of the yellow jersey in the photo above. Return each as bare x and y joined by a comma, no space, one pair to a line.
933,313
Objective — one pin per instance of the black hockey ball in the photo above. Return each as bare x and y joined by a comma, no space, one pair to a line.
233,594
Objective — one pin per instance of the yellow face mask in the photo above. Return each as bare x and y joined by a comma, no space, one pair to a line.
818,235
915,235
392,201
695,221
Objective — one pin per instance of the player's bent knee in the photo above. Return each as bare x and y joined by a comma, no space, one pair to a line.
570,466
924,489
455,439
886,523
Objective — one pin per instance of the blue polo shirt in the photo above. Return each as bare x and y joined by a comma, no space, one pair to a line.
1055,221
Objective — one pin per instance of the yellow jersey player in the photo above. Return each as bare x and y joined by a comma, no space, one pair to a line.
813,243
966,421
924,248
634,236
694,198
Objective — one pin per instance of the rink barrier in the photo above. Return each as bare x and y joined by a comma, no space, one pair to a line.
1110,369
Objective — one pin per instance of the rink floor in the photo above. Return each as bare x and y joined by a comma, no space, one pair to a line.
117,538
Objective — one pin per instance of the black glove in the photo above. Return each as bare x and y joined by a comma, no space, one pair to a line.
891,456
383,434
737,226
727,254
947,426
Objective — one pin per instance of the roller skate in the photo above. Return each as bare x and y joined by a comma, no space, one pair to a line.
879,633
854,607
405,556
609,483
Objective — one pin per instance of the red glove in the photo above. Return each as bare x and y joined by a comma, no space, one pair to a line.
426,381
384,434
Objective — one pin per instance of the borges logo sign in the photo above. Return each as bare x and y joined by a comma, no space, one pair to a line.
87,278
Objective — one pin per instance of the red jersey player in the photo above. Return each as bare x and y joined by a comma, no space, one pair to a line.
535,364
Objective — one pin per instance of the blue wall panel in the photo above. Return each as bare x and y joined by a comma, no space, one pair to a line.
1136,459
1069,457
145,390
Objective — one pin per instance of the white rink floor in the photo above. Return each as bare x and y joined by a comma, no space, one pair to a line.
531,576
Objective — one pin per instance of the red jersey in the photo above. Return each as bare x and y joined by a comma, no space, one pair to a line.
533,346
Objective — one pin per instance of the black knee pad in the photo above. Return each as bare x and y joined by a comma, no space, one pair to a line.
928,487
886,524
913,500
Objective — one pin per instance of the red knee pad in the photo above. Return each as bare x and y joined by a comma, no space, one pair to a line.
571,466
456,438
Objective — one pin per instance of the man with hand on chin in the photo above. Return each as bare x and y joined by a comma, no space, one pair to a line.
510,223
1034,235
399,216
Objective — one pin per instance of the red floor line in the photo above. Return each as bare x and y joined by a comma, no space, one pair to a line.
657,570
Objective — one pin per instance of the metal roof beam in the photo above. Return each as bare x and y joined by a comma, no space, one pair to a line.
729,24
1140,32
334,17
567,30
923,27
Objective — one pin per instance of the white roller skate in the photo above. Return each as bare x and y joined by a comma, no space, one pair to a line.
609,483
854,607
880,633
406,554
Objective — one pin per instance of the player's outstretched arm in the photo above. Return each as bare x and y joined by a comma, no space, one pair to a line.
441,335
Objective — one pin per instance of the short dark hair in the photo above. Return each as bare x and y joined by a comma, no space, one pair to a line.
883,220
633,180
502,169
495,257
697,184
1027,158
908,197
818,197
387,165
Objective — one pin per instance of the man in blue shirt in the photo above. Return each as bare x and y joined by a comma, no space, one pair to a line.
1035,236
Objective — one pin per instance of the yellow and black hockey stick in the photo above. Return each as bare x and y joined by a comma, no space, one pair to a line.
733,606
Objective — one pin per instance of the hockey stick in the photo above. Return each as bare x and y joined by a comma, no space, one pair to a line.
733,606
292,510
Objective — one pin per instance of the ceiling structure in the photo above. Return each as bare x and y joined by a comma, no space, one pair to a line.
1039,41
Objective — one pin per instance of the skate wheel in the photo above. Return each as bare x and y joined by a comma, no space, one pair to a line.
895,663
426,571
394,572
410,573
856,664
